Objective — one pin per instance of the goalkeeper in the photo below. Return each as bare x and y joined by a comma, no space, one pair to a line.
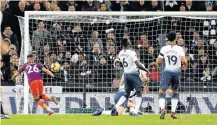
130,103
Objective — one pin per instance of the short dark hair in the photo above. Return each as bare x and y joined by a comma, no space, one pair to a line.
125,42
30,55
7,26
171,36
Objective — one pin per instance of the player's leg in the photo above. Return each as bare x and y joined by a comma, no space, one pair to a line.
43,95
128,87
35,93
175,96
166,78
139,90
3,114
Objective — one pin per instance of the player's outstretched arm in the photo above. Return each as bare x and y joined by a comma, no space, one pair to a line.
159,60
184,60
48,72
140,66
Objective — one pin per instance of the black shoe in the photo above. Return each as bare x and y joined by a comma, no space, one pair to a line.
140,113
173,115
98,112
114,112
163,113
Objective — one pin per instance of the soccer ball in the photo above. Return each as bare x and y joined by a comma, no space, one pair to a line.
55,67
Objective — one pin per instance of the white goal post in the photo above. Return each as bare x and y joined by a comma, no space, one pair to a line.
122,17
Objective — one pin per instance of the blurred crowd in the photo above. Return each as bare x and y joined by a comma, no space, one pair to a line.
18,8
88,53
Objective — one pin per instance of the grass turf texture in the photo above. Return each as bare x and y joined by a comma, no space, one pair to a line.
109,120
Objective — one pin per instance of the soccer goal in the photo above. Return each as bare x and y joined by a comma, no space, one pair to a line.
84,48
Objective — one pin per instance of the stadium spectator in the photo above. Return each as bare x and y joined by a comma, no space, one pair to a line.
195,39
190,6
57,8
111,56
89,6
68,57
213,54
209,6
5,6
95,54
171,5
187,74
53,58
143,38
81,69
61,49
102,72
78,39
71,8
47,62
68,75
181,42
53,5
118,69
103,7
71,3
111,37
37,7
214,60
22,9
6,69
58,31
140,5
204,66
47,6
8,41
154,6
182,7
109,43
12,49
14,66
46,52
154,74
147,54
8,33
95,39
40,36
178,35
201,44
125,5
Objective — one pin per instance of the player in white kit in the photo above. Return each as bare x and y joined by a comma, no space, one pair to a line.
174,56
132,81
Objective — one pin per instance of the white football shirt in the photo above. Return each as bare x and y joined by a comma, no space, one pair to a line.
128,58
172,55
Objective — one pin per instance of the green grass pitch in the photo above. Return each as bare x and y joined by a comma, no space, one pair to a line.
183,119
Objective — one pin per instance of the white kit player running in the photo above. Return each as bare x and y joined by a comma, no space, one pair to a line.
132,81
174,56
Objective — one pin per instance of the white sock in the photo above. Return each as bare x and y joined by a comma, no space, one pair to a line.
120,102
138,101
162,103
106,112
174,104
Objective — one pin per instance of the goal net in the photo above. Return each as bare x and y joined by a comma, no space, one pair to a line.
81,48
